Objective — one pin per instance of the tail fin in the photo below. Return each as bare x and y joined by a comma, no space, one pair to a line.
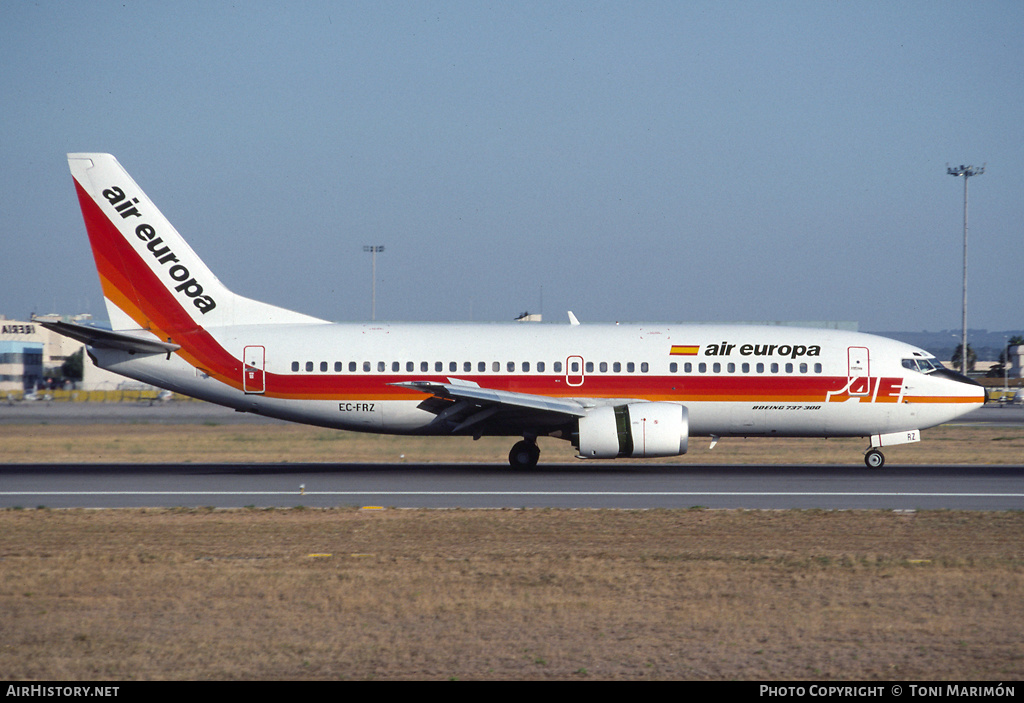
151,278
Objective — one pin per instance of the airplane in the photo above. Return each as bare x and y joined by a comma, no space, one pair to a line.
612,390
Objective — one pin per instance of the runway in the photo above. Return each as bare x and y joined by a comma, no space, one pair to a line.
626,486
632,486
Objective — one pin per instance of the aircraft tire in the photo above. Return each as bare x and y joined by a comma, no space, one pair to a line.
874,459
524,455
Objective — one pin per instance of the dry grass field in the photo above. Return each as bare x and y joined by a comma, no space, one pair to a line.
511,594
502,594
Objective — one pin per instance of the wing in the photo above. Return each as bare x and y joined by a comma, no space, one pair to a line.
464,405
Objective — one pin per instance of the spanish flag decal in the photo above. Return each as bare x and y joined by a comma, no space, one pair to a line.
685,349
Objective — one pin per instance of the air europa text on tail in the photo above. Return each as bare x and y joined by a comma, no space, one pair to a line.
186,284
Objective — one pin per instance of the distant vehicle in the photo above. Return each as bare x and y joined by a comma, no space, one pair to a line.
161,397
36,395
1018,397
611,390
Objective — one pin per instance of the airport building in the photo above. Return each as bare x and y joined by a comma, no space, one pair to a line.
21,356
1016,354
29,352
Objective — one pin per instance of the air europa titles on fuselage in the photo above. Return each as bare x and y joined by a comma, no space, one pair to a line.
790,350
160,251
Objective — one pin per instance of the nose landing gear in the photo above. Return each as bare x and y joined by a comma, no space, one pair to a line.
874,459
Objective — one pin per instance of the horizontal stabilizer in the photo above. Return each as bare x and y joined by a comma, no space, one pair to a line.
105,339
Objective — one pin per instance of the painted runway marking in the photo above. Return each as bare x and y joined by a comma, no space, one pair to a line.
514,493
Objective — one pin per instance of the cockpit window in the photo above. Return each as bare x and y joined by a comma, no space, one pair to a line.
922,365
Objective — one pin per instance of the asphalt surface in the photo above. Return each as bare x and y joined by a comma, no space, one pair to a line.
627,486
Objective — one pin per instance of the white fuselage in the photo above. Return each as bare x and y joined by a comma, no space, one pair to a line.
734,379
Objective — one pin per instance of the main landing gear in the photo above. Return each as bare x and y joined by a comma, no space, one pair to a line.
874,459
524,455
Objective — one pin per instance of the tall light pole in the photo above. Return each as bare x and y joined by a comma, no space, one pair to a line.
966,172
1006,365
374,250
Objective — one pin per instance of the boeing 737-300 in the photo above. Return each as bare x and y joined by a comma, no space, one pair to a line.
612,390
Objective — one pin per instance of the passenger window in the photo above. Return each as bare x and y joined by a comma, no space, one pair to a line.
803,368
366,367
453,366
746,367
424,366
309,366
396,366
590,367
789,368
540,367
731,368
702,367
526,367
673,367
617,367
760,367
439,366
467,366
481,366
687,367
295,366
381,367
323,366
604,367
630,367
775,367
557,367
644,367
575,367
511,366
717,367
817,368
410,366
337,367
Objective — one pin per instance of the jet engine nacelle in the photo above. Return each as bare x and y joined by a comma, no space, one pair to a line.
634,430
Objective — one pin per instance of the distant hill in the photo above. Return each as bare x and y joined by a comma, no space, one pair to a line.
987,345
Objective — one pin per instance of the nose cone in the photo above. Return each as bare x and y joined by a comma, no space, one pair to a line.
961,394
942,396
974,392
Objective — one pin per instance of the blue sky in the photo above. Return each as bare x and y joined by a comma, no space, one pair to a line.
628,161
